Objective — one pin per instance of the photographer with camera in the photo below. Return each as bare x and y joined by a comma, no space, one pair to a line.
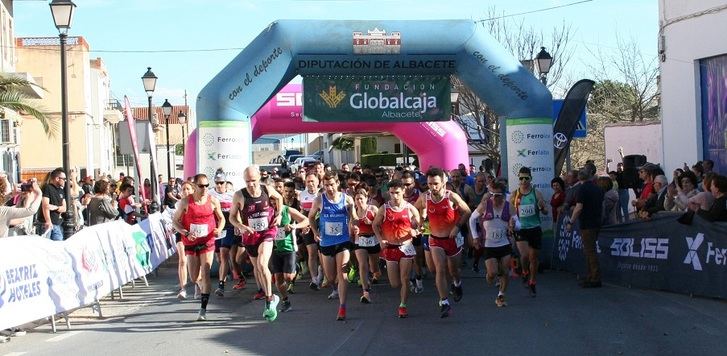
16,215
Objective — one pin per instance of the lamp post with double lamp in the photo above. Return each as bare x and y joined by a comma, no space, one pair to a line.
62,11
150,81
183,121
543,60
167,111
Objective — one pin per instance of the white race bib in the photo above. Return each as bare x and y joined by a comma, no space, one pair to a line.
281,234
367,241
459,240
333,228
258,224
495,236
408,249
527,210
199,230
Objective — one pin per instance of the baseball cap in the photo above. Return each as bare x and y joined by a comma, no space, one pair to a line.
220,177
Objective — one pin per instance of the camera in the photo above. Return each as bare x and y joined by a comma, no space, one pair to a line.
26,187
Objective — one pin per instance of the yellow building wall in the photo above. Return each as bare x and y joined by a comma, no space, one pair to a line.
38,150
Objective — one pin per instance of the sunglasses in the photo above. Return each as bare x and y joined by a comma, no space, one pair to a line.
219,183
203,185
497,194
524,178
408,184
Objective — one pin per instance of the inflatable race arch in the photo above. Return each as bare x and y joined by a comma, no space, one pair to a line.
243,101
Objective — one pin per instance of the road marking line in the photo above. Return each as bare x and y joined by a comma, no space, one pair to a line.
63,336
15,354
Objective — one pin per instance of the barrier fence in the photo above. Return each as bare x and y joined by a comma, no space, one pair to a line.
657,254
40,278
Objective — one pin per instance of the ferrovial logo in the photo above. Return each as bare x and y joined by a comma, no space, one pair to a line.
208,140
692,256
332,97
653,248
715,255
517,136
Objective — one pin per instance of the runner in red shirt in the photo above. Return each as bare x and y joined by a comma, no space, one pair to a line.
395,226
195,220
446,212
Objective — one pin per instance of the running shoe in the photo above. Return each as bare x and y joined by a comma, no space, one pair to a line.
202,316
291,287
419,286
531,287
333,295
4,339
241,284
182,295
352,275
341,313
476,267
271,312
220,291
365,298
197,291
500,301
412,286
286,306
444,310
457,292
314,286
403,313
260,295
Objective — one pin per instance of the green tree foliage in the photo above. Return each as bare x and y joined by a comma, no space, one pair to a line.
12,97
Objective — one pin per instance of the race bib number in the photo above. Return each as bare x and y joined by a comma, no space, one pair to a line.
199,230
367,241
527,210
258,224
281,234
459,240
496,236
333,228
408,249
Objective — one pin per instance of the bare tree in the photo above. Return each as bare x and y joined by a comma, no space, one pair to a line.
626,91
479,122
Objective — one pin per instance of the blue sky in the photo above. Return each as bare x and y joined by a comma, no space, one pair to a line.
131,35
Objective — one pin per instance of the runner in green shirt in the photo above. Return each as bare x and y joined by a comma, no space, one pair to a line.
284,249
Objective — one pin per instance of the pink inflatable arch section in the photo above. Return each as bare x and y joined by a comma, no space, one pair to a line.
439,144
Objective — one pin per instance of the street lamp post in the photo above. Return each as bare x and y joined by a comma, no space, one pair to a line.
183,121
167,111
150,81
62,11
544,60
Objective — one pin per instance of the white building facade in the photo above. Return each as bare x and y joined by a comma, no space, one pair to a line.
693,65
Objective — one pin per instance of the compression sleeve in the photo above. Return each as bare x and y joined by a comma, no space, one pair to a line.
473,223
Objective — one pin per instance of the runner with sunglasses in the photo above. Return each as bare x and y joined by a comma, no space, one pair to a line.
226,240
529,204
199,219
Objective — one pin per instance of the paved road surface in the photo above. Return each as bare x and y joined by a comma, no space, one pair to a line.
562,320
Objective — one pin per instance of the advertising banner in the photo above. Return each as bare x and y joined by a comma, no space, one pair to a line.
657,254
226,145
377,98
40,277
530,143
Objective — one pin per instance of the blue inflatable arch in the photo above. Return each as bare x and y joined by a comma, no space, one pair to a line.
287,48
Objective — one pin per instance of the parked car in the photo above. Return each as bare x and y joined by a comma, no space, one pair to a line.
291,159
288,153
318,155
305,161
